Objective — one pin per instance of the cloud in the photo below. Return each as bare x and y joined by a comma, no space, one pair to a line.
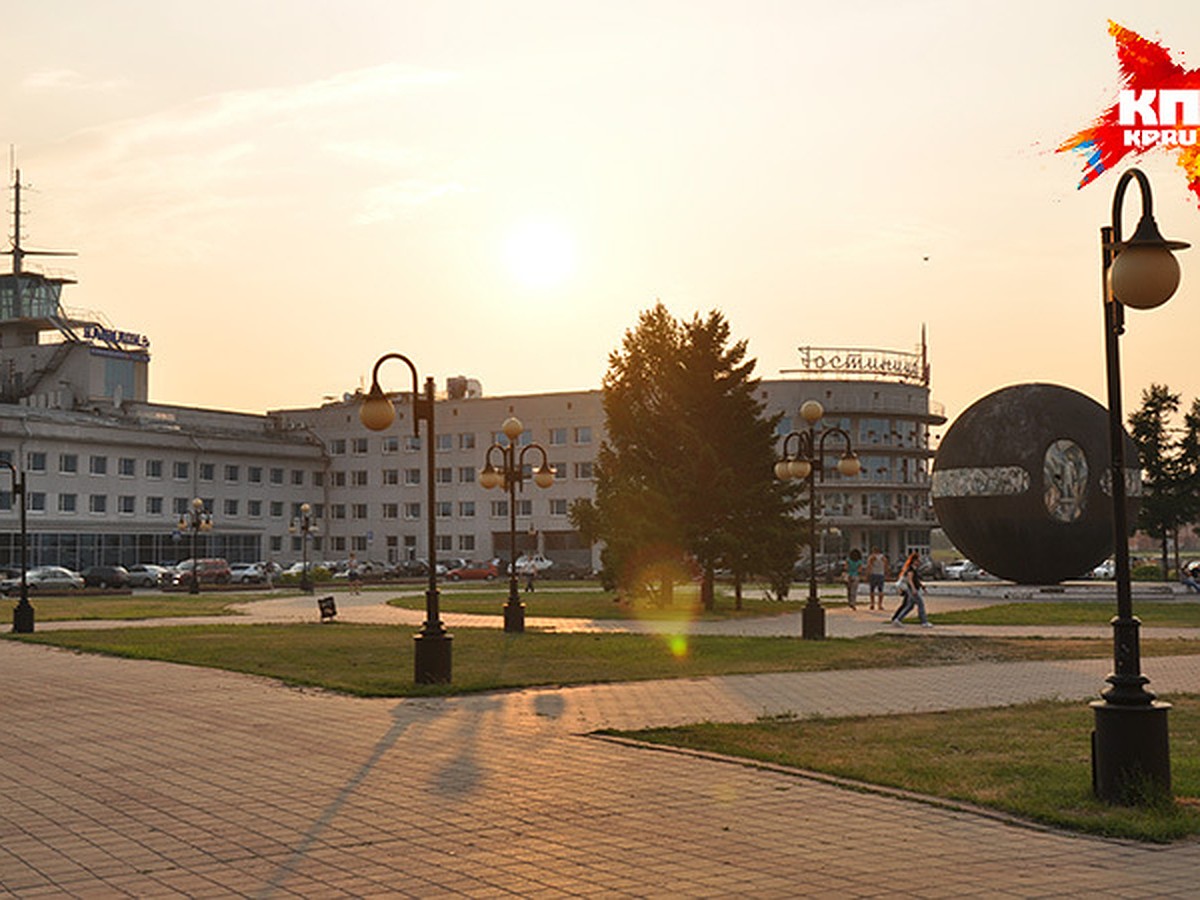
67,80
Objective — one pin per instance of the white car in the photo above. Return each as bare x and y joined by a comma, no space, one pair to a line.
44,578
1107,570
247,573
963,570
537,562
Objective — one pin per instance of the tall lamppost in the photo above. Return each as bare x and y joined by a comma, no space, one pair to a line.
304,525
195,520
432,644
511,475
1130,747
808,463
23,611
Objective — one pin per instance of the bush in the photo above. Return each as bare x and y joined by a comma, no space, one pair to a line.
1146,572
316,575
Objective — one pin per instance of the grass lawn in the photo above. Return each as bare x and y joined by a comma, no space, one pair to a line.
1077,612
592,602
973,756
376,660
71,608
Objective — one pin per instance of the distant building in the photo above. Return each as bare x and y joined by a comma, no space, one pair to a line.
109,473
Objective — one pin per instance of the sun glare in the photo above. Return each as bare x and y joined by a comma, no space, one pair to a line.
540,254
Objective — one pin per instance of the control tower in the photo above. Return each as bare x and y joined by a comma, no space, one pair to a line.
54,357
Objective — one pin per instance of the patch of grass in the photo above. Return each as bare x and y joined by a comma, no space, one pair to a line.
1078,612
375,660
556,601
117,607
1033,761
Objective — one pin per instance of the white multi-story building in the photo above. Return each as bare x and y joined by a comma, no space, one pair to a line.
108,474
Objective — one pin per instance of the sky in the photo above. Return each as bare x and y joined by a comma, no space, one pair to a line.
278,192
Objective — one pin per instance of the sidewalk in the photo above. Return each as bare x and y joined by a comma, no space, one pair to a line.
124,778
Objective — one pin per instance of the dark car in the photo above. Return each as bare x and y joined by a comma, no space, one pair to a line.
106,577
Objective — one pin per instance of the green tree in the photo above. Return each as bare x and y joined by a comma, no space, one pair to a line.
684,476
1168,464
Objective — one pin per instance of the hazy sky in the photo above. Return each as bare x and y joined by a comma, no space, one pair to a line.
277,193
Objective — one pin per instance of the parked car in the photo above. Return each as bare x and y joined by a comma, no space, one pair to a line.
148,575
1107,570
247,573
45,579
963,570
538,562
209,571
573,571
106,577
487,571
411,568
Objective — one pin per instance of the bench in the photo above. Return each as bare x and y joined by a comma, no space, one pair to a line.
327,607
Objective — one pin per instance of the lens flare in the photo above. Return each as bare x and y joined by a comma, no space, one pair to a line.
661,586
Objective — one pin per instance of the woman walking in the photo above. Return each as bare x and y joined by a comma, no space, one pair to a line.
853,574
911,586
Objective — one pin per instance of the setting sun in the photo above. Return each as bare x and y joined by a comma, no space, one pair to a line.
540,254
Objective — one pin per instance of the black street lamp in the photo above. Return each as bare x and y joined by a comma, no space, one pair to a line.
195,520
304,525
809,463
1131,758
511,475
23,611
432,644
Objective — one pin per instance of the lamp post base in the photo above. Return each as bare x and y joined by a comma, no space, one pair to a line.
514,616
23,617
1131,759
812,622
431,657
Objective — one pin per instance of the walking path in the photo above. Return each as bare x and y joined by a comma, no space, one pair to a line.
144,779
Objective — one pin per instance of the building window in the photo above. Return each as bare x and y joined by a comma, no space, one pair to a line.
412,476
358,478
444,475
391,444
181,471
98,503
337,447
466,474
445,543
154,468
412,443
231,508
558,506
445,442
67,503
208,471
126,466
254,474
97,465
180,505
35,501
126,505
559,469
337,479
254,509
68,463
466,509
359,543
154,506
338,544
276,509
583,434
318,479
466,543
412,510
391,510
499,509
337,510
359,446
583,470
391,476
525,508
557,437
445,509
233,473
359,510
466,440
35,462
297,478
276,476
276,543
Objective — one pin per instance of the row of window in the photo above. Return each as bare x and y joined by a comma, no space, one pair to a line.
580,435
37,462
362,544
580,471
68,503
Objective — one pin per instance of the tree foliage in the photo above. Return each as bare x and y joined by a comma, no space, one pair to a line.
1169,463
684,477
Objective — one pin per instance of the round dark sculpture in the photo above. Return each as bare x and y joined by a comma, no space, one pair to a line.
1021,483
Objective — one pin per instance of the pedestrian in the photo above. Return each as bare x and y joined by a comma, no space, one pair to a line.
1189,580
853,572
910,579
530,575
353,574
877,571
